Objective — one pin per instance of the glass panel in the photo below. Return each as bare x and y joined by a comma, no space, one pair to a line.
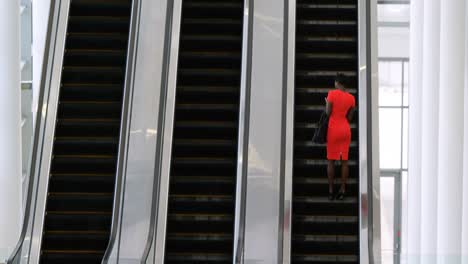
393,13
405,83
404,215
390,83
387,203
390,138
405,139
393,42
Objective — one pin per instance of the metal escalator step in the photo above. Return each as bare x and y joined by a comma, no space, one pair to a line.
74,240
212,37
326,225
79,201
96,40
97,127
208,258
325,259
83,163
91,91
101,75
209,59
323,231
80,195
85,182
214,4
72,256
86,145
199,242
200,203
211,21
86,109
94,24
100,7
210,42
78,220
204,149
94,57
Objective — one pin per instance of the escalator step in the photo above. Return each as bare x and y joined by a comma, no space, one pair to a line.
96,40
323,231
80,201
81,186
97,127
88,183
85,145
72,256
200,223
69,240
91,91
74,221
203,223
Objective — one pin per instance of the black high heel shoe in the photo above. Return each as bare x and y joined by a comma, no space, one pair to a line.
331,196
341,195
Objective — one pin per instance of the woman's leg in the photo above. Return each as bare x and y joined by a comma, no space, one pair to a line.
344,175
331,175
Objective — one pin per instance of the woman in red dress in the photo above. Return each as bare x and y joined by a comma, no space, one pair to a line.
340,109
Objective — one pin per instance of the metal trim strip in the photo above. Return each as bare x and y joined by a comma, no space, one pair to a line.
290,35
243,133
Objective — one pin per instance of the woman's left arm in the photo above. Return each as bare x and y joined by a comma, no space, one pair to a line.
350,114
328,106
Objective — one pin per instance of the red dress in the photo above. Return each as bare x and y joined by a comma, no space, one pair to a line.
339,131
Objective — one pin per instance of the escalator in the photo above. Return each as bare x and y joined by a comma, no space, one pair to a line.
200,221
85,148
323,231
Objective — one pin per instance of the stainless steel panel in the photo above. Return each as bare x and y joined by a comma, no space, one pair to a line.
49,108
144,132
112,252
262,230
368,134
162,203
242,150
289,143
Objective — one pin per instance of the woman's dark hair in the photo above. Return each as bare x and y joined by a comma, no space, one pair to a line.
341,79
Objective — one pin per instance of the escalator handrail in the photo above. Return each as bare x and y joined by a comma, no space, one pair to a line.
41,116
127,105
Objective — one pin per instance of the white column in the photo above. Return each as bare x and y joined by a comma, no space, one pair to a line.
452,74
429,133
41,9
10,129
414,157
465,155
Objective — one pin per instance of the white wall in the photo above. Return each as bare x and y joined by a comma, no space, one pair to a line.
10,130
393,42
40,21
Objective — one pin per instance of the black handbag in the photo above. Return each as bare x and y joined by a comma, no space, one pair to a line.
320,133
